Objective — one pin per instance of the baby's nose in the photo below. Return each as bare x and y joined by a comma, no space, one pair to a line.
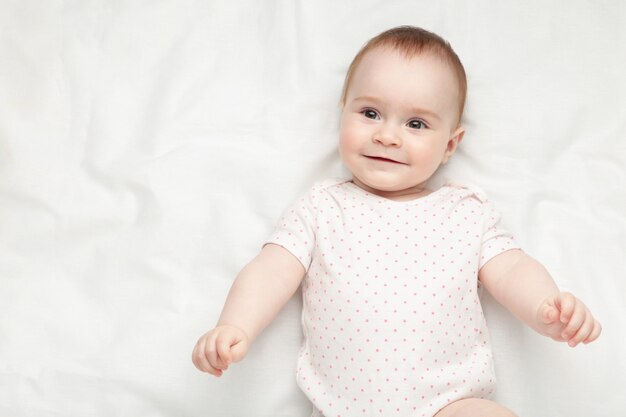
387,136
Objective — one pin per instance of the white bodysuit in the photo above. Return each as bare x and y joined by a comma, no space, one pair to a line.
392,320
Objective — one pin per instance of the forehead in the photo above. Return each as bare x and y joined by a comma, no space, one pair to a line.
423,80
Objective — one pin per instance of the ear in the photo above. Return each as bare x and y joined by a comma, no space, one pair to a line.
453,143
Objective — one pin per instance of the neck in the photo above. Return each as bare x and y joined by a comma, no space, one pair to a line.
411,193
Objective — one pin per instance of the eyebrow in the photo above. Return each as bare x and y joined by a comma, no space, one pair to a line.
414,110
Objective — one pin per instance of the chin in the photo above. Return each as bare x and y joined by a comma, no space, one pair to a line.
386,187
381,184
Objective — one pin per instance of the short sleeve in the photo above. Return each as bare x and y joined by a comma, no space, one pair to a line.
495,239
295,231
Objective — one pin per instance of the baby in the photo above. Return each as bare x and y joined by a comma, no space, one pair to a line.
390,269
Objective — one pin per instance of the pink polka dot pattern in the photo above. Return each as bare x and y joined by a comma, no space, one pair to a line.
392,320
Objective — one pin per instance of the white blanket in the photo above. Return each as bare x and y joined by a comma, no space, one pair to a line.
147,149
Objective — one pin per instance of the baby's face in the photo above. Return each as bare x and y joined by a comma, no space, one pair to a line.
399,122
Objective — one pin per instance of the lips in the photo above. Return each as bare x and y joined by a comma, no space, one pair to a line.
383,159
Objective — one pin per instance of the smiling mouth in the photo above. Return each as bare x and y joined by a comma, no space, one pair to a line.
379,158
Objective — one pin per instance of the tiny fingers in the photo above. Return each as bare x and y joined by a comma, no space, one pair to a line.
583,331
218,348
197,357
566,303
575,322
210,351
581,326
223,352
595,333
201,360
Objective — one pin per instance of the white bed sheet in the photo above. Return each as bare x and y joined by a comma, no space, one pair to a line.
148,147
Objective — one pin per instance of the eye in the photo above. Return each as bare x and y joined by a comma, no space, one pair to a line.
416,124
370,114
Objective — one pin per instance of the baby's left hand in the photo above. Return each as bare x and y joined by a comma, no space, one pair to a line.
566,319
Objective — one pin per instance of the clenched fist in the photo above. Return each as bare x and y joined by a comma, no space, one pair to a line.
566,319
220,347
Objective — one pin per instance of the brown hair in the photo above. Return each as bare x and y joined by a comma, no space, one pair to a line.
411,41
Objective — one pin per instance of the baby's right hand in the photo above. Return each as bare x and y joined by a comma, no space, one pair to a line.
216,349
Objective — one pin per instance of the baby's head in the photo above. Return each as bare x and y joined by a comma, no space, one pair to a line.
410,41
402,103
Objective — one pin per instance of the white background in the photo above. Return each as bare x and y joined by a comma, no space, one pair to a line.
148,147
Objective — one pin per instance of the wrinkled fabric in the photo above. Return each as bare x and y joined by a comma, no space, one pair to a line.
147,149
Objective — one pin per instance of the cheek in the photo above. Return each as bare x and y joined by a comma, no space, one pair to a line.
345,148
348,139
427,153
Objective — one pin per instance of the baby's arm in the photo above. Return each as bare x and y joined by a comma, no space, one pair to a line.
261,289
523,286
